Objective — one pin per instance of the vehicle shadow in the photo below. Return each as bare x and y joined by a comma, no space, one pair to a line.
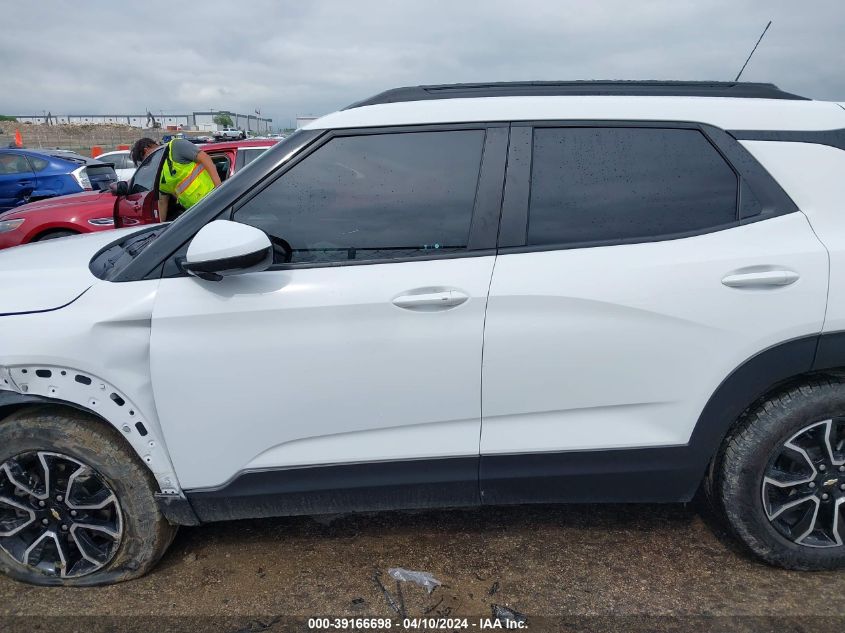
584,524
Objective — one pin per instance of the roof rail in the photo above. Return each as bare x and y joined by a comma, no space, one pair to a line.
737,89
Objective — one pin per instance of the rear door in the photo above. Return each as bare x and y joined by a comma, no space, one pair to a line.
17,179
638,268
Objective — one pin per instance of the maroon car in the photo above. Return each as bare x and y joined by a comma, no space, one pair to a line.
133,202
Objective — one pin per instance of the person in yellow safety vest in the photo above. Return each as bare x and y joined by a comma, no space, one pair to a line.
187,173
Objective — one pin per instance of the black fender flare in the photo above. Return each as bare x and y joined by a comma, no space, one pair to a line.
763,374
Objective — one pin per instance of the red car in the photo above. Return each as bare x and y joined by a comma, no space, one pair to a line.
133,202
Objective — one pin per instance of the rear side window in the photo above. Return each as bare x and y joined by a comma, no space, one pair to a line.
38,164
608,184
252,154
379,196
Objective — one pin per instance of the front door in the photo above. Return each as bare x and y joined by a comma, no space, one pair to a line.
362,345
140,205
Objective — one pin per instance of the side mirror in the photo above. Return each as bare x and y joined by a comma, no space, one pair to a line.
223,248
120,188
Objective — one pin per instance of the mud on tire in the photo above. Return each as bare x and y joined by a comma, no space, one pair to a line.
64,437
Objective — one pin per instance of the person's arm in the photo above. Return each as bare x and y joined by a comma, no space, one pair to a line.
163,201
205,160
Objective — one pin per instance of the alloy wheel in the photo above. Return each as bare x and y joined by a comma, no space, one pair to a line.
57,515
803,487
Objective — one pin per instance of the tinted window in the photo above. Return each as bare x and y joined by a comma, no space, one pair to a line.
251,154
374,197
144,178
118,160
596,184
38,164
13,163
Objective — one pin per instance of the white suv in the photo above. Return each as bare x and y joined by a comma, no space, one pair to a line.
448,296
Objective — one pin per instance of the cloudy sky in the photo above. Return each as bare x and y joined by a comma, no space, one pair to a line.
315,56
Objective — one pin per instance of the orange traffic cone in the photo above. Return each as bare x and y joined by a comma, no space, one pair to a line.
18,139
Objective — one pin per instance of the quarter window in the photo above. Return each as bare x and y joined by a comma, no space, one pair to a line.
608,184
379,196
38,164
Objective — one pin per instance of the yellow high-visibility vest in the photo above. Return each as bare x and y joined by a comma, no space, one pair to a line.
189,182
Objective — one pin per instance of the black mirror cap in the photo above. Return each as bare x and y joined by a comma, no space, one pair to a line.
216,269
119,188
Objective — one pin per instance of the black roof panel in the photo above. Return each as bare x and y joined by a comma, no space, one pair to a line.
736,89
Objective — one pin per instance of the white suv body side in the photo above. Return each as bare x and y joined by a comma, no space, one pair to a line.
645,332
498,370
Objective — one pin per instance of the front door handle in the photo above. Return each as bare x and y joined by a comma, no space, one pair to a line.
430,301
761,279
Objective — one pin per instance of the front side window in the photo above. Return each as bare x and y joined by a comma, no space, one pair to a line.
380,196
145,175
607,184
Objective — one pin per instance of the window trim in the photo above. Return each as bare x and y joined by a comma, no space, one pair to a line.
486,212
513,232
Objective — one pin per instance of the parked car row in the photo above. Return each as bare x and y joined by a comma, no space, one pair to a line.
29,174
134,202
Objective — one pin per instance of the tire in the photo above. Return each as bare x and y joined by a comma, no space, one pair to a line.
781,472
53,235
59,437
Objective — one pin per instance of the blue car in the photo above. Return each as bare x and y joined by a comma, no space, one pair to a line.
27,175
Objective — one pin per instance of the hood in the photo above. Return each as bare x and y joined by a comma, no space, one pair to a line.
85,201
48,275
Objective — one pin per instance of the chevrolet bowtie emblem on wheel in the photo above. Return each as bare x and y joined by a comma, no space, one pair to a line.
829,482
55,514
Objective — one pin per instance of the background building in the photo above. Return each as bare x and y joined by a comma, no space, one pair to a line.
202,121
303,120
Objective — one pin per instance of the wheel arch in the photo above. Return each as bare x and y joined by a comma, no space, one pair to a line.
761,377
55,229
32,385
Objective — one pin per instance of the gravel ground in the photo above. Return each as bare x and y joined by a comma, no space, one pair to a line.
601,568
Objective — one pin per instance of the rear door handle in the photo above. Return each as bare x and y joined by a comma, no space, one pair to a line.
431,300
761,279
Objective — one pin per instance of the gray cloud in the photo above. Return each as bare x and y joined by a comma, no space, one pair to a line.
291,58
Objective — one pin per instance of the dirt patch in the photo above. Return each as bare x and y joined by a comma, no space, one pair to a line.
632,567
